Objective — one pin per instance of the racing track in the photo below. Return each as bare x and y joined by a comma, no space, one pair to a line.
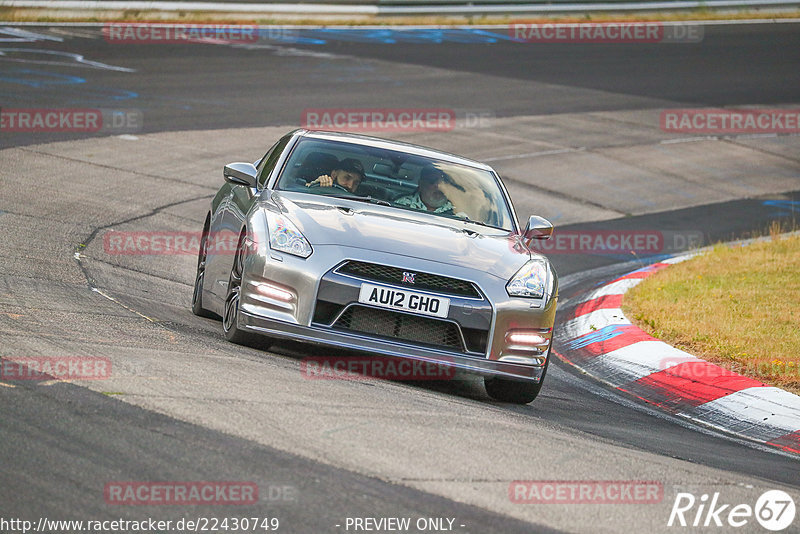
574,131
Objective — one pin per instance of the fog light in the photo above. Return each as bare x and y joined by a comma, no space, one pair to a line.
527,342
527,339
269,290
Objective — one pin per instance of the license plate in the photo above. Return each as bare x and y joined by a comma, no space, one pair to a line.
400,299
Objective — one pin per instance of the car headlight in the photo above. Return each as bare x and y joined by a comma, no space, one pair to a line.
284,236
530,281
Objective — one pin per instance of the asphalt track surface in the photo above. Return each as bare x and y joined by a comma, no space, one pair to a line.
63,442
268,83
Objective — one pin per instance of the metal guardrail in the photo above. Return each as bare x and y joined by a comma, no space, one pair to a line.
570,6
510,3
435,4
400,7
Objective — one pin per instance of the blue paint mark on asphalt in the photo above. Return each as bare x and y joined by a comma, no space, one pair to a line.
355,36
784,208
116,94
97,96
38,78
604,334
382,35
287,36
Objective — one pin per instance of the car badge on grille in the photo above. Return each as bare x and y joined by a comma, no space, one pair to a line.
408,278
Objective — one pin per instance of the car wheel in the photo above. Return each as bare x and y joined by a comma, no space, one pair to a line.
230,314
513,391
197,294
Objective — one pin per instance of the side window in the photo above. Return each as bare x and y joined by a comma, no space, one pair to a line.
267,163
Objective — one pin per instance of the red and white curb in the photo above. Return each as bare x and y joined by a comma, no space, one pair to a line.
600,340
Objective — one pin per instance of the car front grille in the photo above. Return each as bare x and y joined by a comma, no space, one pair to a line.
397,325
396,276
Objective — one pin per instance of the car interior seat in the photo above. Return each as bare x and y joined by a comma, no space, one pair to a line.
315,165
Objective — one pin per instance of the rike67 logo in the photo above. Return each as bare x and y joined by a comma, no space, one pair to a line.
774,510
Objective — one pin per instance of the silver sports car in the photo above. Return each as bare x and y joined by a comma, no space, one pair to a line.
382,247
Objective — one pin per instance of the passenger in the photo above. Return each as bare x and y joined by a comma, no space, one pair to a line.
347,174
428,196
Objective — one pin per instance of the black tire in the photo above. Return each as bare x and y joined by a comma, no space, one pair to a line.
199,277
230,312
513,391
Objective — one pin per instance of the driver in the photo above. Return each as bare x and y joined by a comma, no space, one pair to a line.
347,175
428,196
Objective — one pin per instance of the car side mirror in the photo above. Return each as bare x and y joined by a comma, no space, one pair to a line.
240,174
538,228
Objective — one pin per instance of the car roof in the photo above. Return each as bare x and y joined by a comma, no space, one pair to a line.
377,142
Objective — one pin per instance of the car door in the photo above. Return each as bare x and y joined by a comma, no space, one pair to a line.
235,201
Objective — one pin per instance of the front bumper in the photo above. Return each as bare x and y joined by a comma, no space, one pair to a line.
281,293
351,341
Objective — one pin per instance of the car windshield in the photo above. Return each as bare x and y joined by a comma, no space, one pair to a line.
395,178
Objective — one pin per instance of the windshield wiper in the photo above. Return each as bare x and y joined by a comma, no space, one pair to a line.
480,223
371,200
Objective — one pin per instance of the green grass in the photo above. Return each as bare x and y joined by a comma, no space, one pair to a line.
738,307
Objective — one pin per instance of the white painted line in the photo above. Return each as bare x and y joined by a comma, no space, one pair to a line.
537,154
112,299
689,140
24,36
757,136
729,137
74,59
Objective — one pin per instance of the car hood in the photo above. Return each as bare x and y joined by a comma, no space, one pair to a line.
334,221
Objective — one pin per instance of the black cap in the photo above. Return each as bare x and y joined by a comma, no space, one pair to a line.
351,165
